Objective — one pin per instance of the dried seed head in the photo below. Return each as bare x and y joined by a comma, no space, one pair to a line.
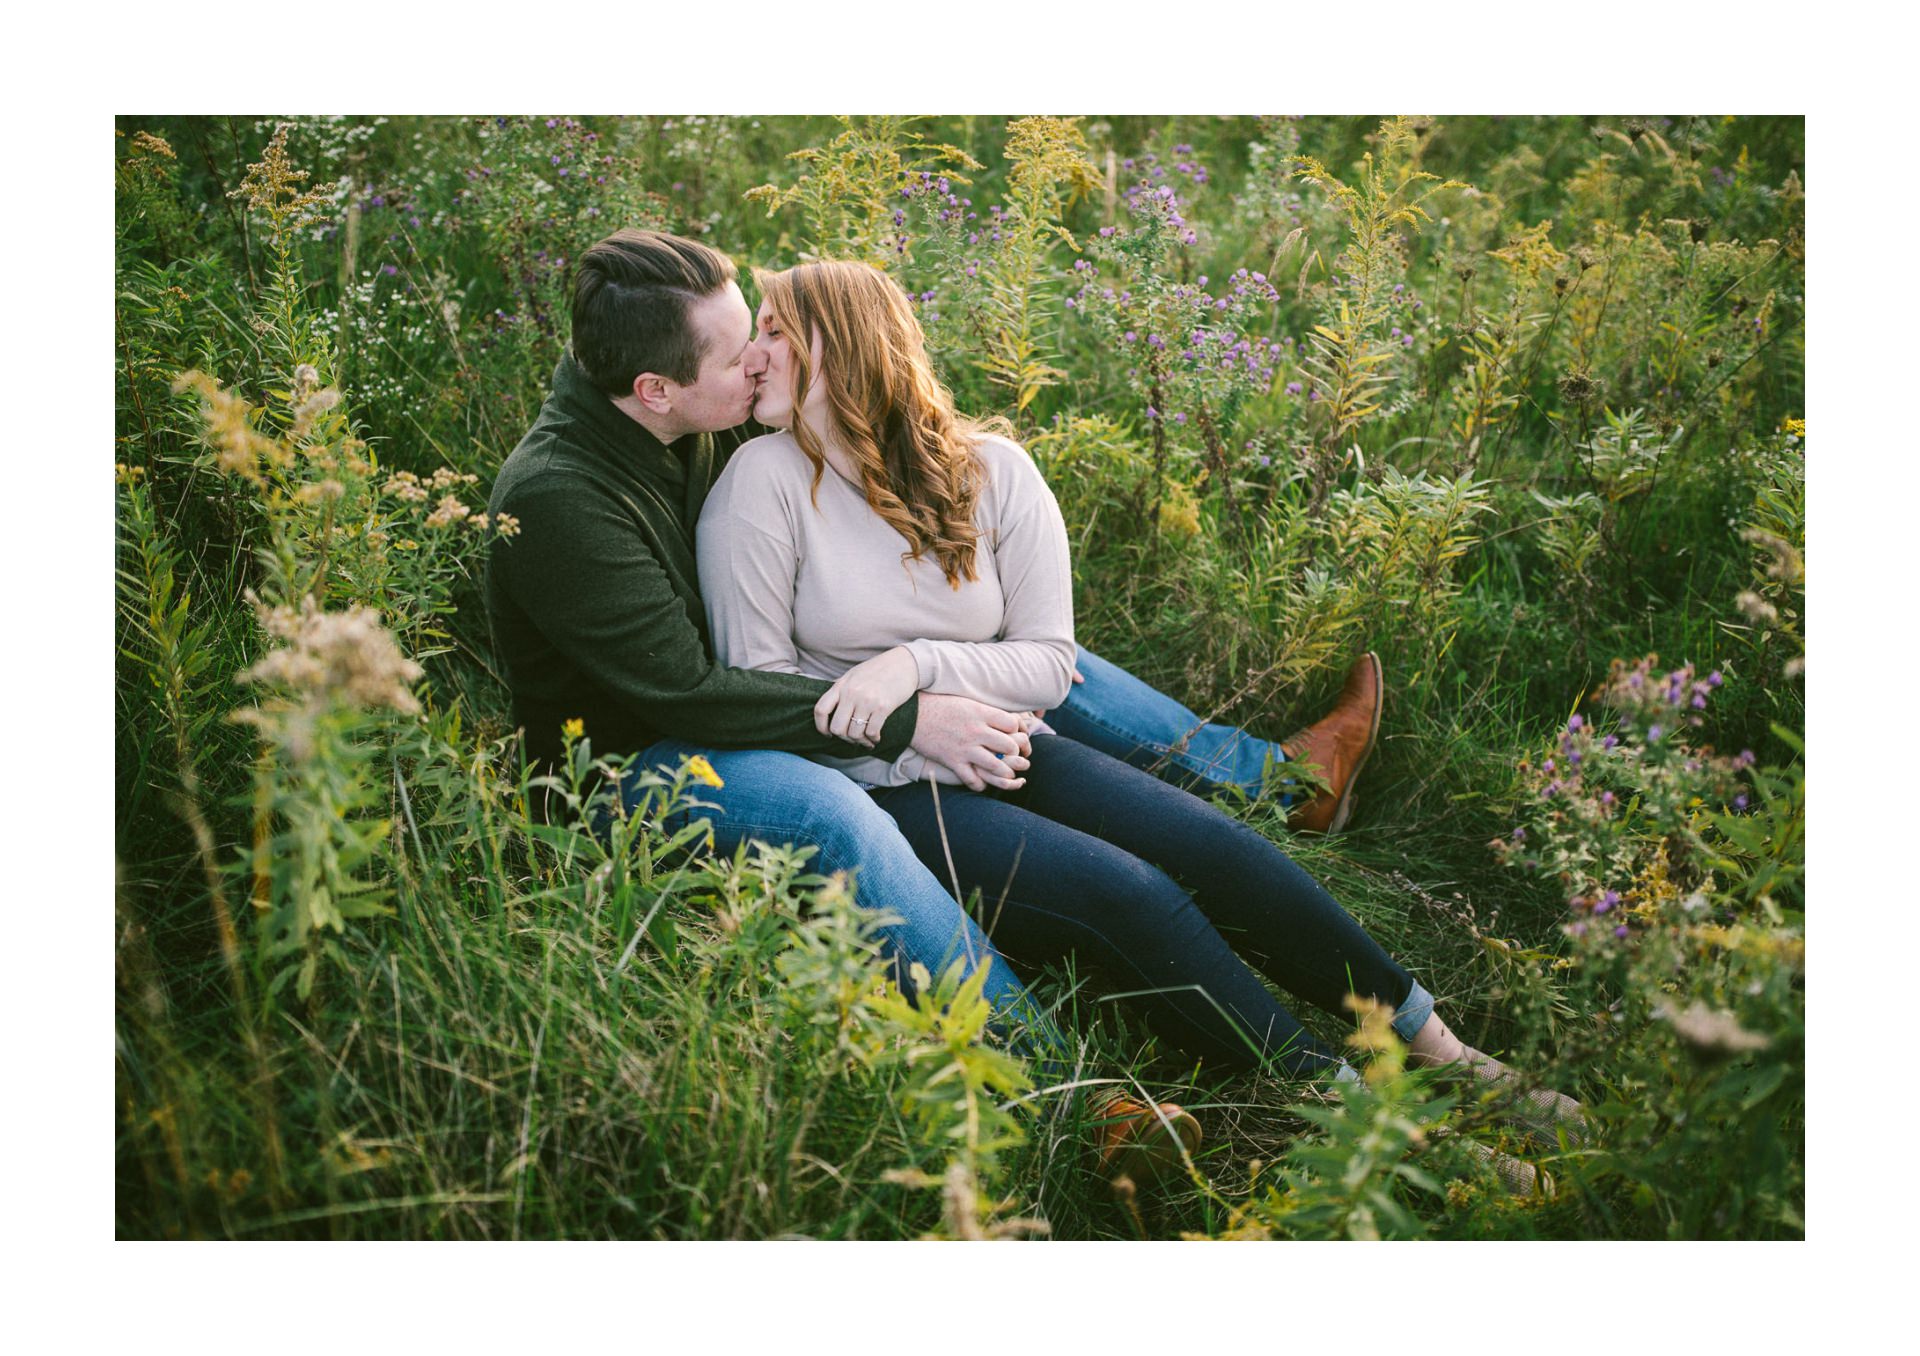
238,447
1712,1036
1580,387
346,656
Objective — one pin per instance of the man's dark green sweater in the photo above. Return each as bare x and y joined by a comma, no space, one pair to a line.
595,603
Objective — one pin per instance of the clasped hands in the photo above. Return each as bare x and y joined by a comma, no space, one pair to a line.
981,745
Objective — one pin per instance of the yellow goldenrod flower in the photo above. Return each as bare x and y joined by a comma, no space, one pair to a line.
702,771
1797,427
574,728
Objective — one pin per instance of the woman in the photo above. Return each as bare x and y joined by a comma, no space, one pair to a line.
884,542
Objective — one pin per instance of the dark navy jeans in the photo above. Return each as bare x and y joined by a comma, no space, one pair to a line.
1173,901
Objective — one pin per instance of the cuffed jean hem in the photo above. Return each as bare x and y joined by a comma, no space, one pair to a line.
1412,1014
1408,1018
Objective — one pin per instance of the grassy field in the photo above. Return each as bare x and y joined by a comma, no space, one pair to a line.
1517,402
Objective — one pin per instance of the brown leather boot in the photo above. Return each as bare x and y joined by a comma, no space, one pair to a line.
1338,746
1145,1143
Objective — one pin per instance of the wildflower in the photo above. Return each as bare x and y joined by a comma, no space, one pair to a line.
346,656
238,448
154,145
447,512
320,492
1574,723
1711,1035
702,771
573,729
311,409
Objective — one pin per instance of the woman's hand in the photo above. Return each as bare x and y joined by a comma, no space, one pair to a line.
857,706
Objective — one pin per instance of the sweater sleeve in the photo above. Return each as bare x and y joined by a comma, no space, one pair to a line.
599,596
1029,666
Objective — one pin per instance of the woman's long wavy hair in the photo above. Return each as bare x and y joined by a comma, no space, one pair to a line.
885,407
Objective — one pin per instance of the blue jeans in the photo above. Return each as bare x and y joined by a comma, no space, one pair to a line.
1116,713
777,797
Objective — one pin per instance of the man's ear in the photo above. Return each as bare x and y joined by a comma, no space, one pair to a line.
655,393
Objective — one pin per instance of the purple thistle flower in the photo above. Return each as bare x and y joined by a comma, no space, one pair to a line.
1574,723
1740,801
1620,931
1653,734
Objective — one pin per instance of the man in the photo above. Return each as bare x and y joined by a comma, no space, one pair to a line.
596,612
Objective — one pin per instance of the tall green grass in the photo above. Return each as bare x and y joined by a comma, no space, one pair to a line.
364,992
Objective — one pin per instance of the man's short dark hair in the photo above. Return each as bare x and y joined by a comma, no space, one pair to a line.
631,296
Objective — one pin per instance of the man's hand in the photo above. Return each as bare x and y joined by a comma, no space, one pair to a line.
981,745
858,704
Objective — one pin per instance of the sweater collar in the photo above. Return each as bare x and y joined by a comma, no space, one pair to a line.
624,439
